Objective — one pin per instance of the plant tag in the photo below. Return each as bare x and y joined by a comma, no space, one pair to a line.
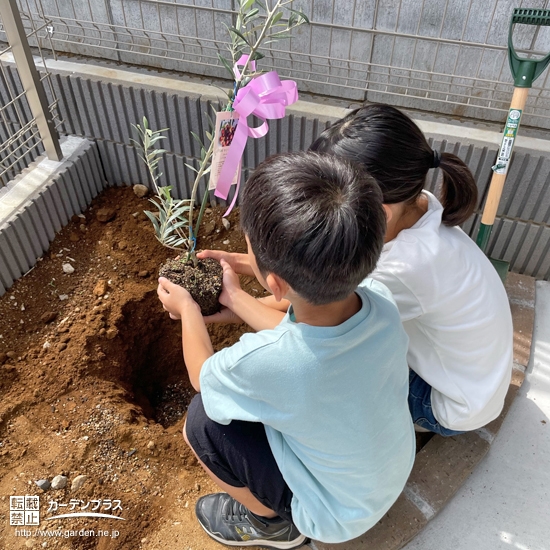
226,123
510,132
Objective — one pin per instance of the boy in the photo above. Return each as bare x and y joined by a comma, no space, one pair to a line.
304,424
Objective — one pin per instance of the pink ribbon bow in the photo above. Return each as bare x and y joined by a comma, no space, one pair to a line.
264,96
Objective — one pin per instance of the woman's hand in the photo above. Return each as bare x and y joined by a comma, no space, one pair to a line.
225,316
239,262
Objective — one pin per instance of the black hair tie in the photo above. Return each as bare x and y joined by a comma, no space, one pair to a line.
436,160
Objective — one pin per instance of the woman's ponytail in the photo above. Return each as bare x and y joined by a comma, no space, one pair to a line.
459,190
393,149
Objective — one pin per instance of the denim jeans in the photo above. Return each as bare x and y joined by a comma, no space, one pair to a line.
420,405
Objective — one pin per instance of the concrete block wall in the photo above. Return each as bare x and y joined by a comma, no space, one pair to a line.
444,56
101,103
27,148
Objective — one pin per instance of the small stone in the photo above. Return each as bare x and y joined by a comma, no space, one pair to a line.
151,445
62,347
208,211
83,228
226,241
59,482
74,237
105,215
68,268
143,541
29,543
197,486
111,333
225,223
122,245
140,190
208,228
11,354
44,484
102,331
49,316
78,481
63,297
101,287
77,309
143,273
46,345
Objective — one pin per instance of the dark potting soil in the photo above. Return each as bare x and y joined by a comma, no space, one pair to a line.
203,282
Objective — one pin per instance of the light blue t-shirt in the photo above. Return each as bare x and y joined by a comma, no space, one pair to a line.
334,404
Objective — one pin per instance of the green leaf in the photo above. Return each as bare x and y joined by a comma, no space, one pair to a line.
177,225
174,241
251,15
153,219
276,17
302,17
239,34
280,35
179,211
191,167
197,139
225,63
159,207
257,55
246,4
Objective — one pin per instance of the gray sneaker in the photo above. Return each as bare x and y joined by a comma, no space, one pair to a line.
229,522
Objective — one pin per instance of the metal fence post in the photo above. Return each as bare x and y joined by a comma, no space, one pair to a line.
36,96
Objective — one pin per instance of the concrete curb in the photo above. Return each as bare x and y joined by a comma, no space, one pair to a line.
42,200
443,464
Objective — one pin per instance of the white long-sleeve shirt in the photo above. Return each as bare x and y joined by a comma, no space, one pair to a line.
456,313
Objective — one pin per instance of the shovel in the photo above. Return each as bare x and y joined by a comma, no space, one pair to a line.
525,71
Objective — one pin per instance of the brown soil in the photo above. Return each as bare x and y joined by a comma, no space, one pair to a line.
92,381
203,281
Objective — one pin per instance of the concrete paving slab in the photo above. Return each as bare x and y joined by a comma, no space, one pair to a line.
443,464
504,504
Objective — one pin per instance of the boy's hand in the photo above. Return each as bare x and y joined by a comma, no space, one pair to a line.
230,285
174,298
239,262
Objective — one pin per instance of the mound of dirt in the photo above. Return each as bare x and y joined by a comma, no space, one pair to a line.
92,383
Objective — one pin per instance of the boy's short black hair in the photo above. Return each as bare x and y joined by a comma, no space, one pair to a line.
316,221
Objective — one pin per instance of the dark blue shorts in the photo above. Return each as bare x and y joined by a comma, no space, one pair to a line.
239,454
420,405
